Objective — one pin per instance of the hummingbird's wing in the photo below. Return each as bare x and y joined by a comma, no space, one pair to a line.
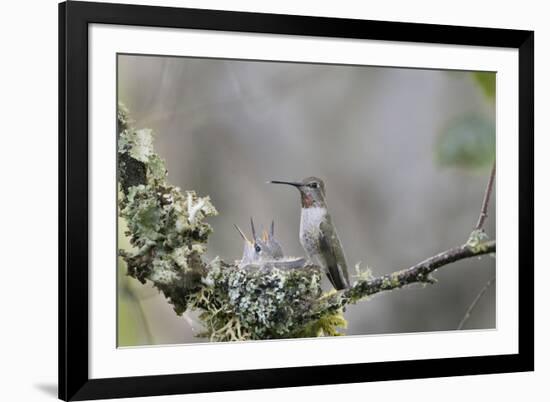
332,252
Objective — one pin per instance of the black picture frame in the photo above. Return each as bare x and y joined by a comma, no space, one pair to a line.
74,18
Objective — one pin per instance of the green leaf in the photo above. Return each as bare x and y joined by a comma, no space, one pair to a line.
487,82
467,142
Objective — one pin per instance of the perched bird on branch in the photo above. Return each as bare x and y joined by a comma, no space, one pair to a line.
317,233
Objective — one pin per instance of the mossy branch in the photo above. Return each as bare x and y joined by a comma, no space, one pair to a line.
168,233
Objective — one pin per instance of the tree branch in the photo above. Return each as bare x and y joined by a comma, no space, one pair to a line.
418,273
474,303
485,204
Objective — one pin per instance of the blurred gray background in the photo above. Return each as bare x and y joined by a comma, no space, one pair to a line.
225,127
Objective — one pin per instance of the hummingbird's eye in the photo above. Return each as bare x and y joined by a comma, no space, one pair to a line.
314,185
257,248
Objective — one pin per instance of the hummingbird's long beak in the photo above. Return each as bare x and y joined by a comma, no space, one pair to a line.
290,183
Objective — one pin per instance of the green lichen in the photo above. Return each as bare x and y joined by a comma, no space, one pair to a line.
386,283
477,241
395,280
330,324
363,274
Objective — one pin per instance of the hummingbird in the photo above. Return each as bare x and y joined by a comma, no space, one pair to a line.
317,233
265,250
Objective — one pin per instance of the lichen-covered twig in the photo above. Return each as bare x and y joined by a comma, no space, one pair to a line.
478,237
418,273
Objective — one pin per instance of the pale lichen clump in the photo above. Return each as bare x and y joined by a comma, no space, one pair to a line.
166,228
477,241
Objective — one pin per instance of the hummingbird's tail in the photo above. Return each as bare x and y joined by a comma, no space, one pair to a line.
337,277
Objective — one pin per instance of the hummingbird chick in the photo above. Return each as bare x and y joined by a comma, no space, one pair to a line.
265,250
317,233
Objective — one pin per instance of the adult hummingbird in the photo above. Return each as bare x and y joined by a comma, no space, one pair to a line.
317,233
